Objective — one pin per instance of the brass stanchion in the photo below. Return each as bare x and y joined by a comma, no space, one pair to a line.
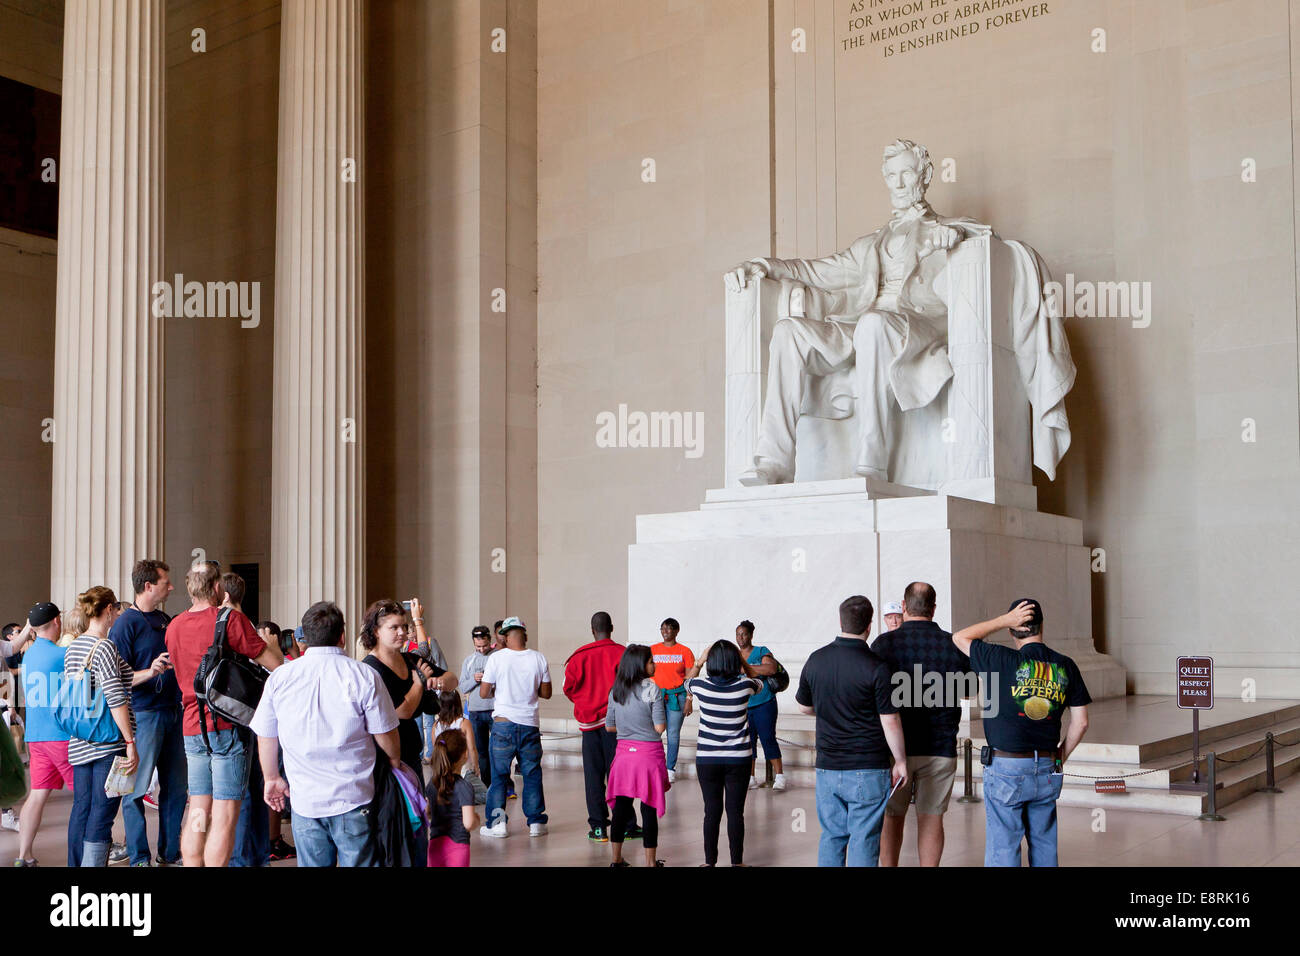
1270,774
1211,780
969,795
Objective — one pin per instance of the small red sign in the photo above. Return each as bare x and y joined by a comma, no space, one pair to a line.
1110,786
1195,682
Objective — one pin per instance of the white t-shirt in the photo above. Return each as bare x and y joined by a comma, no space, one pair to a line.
516,675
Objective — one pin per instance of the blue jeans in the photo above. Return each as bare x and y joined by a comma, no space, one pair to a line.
480,722
346,839
90,826
511,740
161,745
253,831
426,733
222,774
1020,801
675,719
762,726
850,809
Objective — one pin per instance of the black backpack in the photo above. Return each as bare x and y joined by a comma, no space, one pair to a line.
780,680
227,684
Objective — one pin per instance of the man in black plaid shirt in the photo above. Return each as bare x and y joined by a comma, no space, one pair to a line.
930,678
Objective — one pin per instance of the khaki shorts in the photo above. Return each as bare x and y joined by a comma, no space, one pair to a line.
932,778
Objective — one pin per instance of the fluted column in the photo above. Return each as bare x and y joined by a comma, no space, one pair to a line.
317,504
107,507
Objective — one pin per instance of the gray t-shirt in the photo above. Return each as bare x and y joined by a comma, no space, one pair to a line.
476,663
636,719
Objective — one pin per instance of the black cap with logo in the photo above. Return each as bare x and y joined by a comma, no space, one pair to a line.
42,613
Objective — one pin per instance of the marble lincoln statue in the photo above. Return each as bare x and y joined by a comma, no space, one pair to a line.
873,309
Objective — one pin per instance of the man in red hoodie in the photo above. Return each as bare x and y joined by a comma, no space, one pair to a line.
588,679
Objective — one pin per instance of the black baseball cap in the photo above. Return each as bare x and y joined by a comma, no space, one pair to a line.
42,613
481,630
1037,617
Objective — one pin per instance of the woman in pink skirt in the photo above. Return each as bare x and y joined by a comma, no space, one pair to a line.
638,715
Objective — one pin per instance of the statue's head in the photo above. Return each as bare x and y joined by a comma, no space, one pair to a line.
907,170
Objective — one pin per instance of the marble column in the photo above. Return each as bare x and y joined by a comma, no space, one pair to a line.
107,502
317,481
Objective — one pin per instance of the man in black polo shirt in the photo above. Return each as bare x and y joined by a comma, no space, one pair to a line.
930,677
858,728
1026,690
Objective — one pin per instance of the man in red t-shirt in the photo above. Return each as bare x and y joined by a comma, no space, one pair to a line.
217,780
588,679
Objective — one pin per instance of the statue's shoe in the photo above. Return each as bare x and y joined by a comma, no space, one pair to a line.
765,473
866,471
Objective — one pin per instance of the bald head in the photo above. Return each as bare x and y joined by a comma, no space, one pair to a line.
919,602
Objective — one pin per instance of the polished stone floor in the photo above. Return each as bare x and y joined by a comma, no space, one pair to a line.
781,830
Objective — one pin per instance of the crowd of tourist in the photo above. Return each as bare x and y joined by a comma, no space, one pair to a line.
387,760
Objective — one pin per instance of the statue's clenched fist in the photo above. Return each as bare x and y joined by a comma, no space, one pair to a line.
737,278
940,237
945,237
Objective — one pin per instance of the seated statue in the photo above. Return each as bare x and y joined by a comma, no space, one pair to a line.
875,311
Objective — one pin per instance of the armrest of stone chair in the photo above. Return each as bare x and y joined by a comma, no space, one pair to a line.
752,314
988,429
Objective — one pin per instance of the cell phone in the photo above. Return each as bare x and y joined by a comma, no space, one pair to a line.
407,605
894,790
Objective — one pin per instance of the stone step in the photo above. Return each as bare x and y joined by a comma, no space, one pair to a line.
802,780
1148,788
1240,747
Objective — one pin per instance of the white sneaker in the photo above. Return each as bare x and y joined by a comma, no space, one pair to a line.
8,820
779,782
753,783
536,829
672,776
498,832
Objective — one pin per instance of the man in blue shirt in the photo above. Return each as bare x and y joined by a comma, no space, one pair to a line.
139,636
47,744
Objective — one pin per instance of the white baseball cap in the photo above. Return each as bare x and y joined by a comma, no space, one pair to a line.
893,607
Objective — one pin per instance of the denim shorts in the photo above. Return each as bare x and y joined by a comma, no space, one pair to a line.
222,774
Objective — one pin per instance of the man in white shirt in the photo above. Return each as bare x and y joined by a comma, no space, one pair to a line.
328,711
517,678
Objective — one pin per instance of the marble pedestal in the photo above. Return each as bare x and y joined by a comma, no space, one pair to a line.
785,556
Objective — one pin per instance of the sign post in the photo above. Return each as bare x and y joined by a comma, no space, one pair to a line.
1195,684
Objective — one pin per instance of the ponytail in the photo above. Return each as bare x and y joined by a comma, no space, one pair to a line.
448,749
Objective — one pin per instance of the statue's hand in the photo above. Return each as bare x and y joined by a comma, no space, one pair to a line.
739,277
944,237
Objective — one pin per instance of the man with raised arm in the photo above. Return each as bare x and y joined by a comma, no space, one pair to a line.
1026,691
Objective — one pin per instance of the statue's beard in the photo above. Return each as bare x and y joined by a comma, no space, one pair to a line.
910,197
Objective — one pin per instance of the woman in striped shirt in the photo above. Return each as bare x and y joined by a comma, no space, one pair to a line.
90,827
722,746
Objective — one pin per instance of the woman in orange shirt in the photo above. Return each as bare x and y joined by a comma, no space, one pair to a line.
672,661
